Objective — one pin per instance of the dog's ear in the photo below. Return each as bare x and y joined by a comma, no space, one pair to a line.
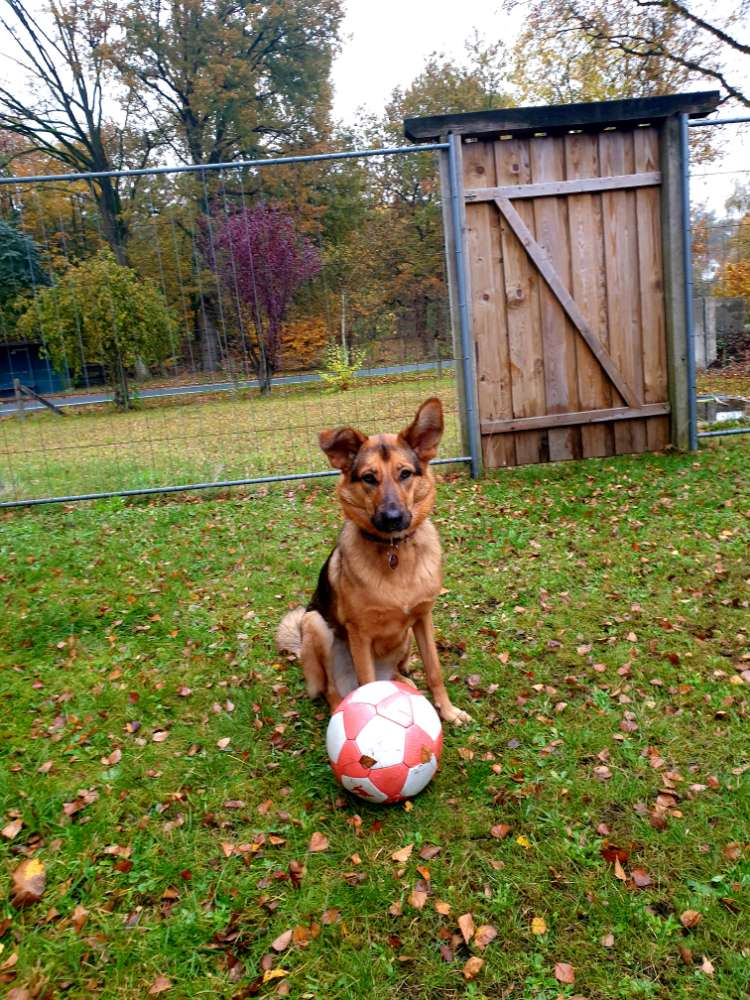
341,446
424,432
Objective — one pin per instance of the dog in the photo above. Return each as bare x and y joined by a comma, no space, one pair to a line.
378,586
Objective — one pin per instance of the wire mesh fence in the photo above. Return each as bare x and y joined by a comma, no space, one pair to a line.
720,223
180,328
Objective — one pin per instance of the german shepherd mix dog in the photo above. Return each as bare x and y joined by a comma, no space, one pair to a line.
379,584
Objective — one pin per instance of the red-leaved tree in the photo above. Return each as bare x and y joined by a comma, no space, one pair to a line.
262,260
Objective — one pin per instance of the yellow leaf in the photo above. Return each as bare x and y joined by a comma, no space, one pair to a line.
538,925
523,841
270,974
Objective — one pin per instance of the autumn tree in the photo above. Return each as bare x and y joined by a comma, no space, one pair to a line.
66,110
20,271
262,261
104,312
584,50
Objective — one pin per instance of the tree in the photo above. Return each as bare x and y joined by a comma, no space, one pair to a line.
578,50
101,311
263,261
228,79
65,54
20,263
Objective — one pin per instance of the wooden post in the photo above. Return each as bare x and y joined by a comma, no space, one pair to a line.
675,281
19,398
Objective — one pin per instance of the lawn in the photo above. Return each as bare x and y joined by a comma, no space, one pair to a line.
163,764
196,439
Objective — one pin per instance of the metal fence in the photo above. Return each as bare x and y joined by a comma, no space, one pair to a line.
184,408
217,388
719,324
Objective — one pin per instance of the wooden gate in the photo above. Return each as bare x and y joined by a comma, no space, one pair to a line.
563,235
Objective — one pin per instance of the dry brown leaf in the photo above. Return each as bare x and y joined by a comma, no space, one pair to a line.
500,831
331,916
18,993
442,907
429,852
417,898
620,871
158,736
565,973
466,926
403,855
690,918
224,742
318,842
282,941
160,985
538,925
28,883
707,966
396,909
602,773
607,940
485,934
641,878
12,829
79,917
473,967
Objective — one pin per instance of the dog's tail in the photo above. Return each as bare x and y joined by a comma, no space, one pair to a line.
289,634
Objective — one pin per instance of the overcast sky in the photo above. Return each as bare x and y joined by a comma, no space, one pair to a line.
386,43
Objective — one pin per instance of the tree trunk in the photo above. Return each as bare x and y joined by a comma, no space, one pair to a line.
265,373
114,228
207,334
119,379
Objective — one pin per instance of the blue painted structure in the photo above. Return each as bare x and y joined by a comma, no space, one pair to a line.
24,360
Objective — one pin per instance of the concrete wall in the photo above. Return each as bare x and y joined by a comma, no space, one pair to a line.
717,323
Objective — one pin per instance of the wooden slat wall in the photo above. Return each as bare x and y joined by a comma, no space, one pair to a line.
606,249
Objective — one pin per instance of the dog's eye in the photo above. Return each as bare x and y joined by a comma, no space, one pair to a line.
405,474
370,479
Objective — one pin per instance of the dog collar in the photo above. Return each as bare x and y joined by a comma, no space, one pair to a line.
392,544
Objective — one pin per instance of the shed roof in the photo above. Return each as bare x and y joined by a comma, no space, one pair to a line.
556,118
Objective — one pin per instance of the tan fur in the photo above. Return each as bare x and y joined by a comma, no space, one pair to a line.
372,608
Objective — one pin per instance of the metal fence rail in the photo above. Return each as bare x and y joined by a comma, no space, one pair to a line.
205,415
701,234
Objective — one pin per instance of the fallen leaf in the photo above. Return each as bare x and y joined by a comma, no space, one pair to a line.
331,916
473,967
485,934
641,877
538,925
690,918
565,973
158,736
707,966
429,852
12,829
602,773
318,842
417,898
18,993
270,974
523,842
620,871
466,926
28,883
396,909
224,742
442,907
282,941
500,831
79,917
402,855
607,940
160,985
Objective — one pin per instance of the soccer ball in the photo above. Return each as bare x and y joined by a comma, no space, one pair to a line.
384,741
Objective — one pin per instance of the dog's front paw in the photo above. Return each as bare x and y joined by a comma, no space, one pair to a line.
456,716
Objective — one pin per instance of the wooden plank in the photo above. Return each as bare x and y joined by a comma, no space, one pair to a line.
565,187
522,298
494,391
561,116
648,221
612,413
623,293
589,289
566,301
558,335
674,282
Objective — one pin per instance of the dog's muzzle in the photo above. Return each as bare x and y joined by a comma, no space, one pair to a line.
390,518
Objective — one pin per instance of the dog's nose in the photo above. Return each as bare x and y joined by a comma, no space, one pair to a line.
391,517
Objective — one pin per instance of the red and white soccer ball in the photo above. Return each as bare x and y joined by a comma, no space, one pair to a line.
384,741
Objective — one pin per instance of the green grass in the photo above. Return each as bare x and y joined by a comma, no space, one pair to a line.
596,615
200,438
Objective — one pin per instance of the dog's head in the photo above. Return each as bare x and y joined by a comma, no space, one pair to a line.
386,485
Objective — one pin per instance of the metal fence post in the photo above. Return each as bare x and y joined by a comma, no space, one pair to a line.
687,251
470,414
19,398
